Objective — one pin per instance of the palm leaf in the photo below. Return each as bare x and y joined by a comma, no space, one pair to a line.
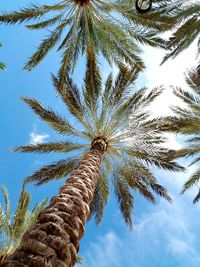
100,198
55,121
125,199
92,83
63,147
35,11
57,170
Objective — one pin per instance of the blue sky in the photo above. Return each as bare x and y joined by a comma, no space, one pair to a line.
165,235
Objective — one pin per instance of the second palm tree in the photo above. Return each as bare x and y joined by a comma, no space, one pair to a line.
120,142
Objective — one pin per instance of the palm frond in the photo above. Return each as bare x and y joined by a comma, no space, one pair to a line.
46,45
55,121
70,95
193,79
7,202
35,11
20,214
159,157
64,147
2,65
124,197
100,198
45,23
194,179
124,78
92,83
187,152
186,33
13,227
57,170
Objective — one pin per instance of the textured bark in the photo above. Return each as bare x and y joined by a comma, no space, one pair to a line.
54,240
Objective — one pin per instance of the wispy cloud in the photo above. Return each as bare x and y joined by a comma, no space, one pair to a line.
105,252
36,138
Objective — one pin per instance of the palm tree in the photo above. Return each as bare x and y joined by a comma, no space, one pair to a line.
187,31
2,65
187,122
109,28
116,140
12,227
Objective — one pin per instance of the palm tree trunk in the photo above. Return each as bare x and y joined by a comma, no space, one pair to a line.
54,240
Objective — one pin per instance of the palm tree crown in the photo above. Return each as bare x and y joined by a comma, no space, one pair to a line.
187,122
13,227
112,117
109,28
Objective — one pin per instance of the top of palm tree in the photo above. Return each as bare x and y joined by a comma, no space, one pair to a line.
187,122
187,31
12,227
2,65
114,115
109,28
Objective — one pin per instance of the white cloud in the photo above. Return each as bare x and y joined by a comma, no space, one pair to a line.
36,138
178,246
171,73
105,252
171,141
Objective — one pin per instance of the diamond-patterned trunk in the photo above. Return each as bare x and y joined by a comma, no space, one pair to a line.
54,240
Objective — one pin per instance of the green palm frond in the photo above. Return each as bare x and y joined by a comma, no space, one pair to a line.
63,146
192,181
45,23
7,201
70,96
141,178
12,227
2,65
187,122
190,151
79,259
55,121
112,29
112,112
20,213
26,14
57,170
46,45
187,31
193,79
92,83
124,197
100,198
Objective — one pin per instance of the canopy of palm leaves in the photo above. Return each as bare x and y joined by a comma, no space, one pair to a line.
2,65
187,122
110,28
187,31
114,113
12,227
